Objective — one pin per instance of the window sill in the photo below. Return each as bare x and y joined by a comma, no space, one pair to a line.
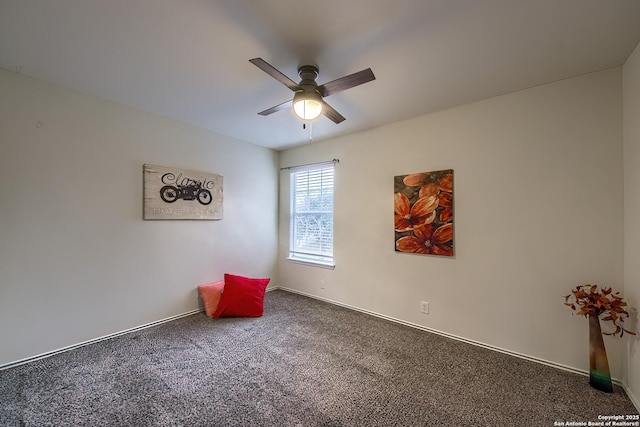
312,263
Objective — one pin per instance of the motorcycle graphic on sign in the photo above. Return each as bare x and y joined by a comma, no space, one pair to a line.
194,191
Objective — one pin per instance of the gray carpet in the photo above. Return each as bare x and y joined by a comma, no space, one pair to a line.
304,363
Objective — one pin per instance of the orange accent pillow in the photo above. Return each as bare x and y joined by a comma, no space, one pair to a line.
242,297
210,295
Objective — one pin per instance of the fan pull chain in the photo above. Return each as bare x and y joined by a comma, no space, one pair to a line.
304,126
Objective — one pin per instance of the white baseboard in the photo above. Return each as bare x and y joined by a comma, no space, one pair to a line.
632,397
95,340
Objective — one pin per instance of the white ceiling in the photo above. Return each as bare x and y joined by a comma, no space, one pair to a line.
188,59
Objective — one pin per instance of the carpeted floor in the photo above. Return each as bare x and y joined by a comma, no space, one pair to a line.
304,363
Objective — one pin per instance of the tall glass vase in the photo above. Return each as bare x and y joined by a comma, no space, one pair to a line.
599,375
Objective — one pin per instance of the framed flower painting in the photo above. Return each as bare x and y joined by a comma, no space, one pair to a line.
423,213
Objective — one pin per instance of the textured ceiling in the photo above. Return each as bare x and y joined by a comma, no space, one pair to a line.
188,59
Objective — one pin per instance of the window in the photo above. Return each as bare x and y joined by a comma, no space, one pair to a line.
311,220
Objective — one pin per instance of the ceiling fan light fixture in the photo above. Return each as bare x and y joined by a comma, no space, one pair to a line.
308,101
307,105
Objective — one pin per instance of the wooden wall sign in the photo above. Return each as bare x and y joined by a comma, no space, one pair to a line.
171,193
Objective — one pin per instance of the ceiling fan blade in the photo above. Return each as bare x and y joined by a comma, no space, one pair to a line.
284,105
346,82
331,113
273,72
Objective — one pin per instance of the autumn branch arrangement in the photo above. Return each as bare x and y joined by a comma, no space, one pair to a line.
589,301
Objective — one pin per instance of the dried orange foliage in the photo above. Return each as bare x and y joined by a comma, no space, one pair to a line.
591,302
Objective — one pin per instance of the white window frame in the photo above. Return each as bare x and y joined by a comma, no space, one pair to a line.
320,181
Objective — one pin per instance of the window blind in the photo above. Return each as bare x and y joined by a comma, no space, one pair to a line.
312,214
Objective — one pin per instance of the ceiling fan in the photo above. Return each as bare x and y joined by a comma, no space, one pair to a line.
308,102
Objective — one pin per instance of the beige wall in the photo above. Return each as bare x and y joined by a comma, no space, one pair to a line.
76,259
631,127
538,210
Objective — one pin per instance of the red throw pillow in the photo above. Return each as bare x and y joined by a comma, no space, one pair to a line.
210,295
242,297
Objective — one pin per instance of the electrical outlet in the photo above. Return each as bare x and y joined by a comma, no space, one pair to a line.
424,307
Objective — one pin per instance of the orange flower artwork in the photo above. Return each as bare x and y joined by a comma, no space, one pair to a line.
423,213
